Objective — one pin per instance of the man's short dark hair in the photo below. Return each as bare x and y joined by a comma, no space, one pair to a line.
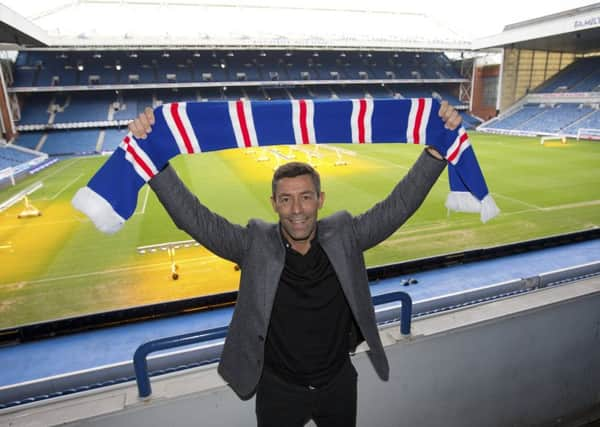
294,169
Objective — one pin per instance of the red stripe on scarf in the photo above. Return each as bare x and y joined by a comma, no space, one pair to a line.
137,158
303,124
181,128
242,119
362,111
417,128
462,139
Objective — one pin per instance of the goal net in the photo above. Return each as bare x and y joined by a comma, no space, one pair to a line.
588,134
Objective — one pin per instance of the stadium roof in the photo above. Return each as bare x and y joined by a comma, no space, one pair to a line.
16,30
575,30
239,23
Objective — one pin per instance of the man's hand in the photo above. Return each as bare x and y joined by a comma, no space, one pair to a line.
142,125
451,120
449,116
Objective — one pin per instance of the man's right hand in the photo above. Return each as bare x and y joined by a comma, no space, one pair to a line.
141,126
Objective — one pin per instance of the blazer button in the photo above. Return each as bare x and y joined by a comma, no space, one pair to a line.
261,338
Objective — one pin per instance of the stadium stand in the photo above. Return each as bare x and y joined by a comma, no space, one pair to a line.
35,108
41,68
561,105
10,157
76,141
83,107
277,93
176,75
555,119
211,94
527,112
561,118
591,121
581,76
469,121
112,138
29,139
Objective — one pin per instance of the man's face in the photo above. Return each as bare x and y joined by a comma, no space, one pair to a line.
297,203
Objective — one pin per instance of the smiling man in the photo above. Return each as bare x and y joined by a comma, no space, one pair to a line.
297,197
304,302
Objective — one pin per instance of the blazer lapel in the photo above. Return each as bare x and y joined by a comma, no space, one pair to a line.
339,255
275,260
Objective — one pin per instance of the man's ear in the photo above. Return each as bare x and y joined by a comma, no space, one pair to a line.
321,199
273,203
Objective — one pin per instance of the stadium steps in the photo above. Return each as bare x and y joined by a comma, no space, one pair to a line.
533,118
110,115
42,142
52,115
573,126
100,141
516,107
591,122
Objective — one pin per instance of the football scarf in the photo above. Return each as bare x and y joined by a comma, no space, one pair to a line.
111,195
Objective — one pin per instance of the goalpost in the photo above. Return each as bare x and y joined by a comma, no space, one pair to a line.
8,173
23,195
588,133
561,138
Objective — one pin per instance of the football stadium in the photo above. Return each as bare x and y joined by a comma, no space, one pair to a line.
486,320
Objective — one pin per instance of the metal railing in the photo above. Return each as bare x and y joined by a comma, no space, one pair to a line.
407,308
140,362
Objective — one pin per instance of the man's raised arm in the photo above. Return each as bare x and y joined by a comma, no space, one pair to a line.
216,233
384,218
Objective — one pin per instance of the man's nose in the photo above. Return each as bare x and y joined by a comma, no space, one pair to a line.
296,205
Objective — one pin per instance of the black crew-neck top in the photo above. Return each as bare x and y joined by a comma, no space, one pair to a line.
308,340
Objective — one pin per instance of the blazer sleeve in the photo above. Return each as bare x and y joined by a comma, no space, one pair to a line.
211,230
384,218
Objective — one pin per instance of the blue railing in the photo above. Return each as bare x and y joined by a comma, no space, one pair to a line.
140,362
405,314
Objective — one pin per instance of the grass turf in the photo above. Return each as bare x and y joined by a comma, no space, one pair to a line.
58,265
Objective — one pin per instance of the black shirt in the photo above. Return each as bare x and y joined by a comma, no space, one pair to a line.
309,334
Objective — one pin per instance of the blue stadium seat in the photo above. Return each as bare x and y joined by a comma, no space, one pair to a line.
29,139
591,121
35,109
518,118
10,156
112,138
469,121
76,141
211,94
86,107
24,77
300,92
581,76
555,120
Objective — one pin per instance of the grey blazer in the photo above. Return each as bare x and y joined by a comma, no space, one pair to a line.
259,250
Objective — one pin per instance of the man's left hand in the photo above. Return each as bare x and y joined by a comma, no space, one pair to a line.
451,120
449,116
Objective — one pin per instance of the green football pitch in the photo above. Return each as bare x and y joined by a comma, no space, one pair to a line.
58,265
